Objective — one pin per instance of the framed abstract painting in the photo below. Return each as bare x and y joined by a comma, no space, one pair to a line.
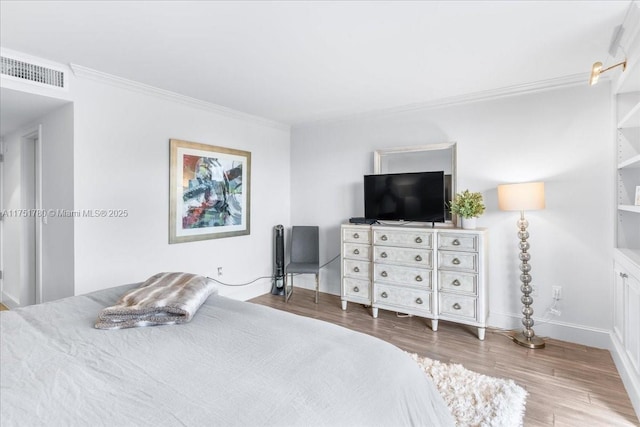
210,192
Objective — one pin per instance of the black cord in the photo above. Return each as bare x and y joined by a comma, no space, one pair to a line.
267,277
330,261
240,284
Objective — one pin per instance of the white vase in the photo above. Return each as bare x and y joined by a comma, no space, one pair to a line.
469,223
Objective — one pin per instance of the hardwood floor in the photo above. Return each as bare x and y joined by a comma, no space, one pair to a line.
568,384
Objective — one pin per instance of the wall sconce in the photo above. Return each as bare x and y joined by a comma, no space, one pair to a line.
596,70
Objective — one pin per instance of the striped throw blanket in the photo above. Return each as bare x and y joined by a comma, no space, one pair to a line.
164,299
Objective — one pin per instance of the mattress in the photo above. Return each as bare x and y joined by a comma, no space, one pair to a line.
235,364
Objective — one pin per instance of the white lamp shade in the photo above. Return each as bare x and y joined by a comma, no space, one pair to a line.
527,196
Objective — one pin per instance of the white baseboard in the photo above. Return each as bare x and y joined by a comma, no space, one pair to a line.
571,332
9,301
629,375
244,293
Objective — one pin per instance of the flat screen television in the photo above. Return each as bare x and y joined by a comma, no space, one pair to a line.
415,196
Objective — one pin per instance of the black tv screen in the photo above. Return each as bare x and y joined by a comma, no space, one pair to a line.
418,196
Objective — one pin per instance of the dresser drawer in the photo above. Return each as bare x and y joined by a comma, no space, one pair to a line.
403,298
409,257
402,275
405,239
356,269
457,305
355,288
458,282
356,235
463,261
458,242
356,251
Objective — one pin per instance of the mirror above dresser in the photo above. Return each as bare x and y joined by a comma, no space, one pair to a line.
421,158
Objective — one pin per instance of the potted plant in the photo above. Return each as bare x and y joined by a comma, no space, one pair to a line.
468,206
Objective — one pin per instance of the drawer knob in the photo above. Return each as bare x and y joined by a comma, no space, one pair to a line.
418,278
356,252
383,237
455,261
383,255
418,258
356,236
456,282
356,289
455,242
418,239
384,295
624,275
419,301
356,269
384,274
456,306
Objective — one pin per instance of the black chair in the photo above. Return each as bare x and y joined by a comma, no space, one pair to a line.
305,257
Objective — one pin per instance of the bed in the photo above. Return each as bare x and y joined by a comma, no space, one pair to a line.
234,364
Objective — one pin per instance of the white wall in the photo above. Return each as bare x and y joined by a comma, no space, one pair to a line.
12,226
57,194
121,161
561,136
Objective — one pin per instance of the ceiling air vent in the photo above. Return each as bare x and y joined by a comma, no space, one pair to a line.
32,72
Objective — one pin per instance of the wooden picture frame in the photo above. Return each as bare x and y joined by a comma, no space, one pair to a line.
209,192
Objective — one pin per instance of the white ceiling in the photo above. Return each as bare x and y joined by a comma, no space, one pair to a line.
300,61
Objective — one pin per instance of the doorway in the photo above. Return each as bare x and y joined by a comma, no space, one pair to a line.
21,225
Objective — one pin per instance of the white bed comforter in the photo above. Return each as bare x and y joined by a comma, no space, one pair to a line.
234,364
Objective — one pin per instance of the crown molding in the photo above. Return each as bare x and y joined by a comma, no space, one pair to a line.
487,95
99,76
516,90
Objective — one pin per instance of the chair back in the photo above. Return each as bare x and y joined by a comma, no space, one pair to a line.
305,247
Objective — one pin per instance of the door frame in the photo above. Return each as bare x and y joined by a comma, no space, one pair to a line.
34,135
30,135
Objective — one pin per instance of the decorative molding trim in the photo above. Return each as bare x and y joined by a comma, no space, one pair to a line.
522,89
99,76
487,95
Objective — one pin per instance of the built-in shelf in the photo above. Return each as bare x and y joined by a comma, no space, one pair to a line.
629,208
633,162
631,119
632,255
625,306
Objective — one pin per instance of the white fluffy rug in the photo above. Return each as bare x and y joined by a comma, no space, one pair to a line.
475,399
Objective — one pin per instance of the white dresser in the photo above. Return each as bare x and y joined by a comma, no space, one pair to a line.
356,265
436,273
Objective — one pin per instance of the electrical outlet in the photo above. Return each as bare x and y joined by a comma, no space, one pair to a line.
556,292
219,271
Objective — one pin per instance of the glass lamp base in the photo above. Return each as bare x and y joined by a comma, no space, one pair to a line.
533,342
